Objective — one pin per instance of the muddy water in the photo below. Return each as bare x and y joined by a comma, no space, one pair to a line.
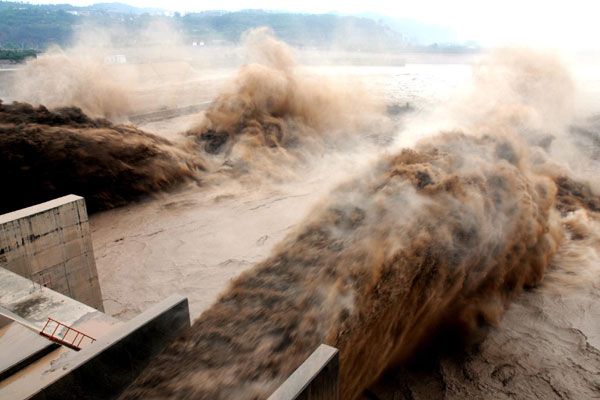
545,346
194,241
144,252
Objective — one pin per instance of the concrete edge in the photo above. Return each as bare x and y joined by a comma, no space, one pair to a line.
159,115
24,363
105,368
18,319
308,372
38,208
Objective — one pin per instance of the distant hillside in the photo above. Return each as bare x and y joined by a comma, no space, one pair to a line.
120,8
39,26
415,31
303,30
26,25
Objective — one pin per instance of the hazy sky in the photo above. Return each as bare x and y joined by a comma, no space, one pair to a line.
547,23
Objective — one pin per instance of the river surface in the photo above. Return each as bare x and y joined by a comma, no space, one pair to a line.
195,239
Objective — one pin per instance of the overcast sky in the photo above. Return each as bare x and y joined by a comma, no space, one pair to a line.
548,23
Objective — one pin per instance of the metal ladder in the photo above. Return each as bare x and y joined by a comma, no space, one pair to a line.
68,338
43,280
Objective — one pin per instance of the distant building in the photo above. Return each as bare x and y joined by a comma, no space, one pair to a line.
115,59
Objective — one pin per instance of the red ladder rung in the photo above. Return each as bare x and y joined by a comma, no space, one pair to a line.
44,280
57,325
64,336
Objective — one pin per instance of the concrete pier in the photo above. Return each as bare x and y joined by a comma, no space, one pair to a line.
317,378
103,369
28,308
50,244
54,341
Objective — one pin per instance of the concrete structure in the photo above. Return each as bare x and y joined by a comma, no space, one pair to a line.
50,244
317,378
21,347
162,115
27,308
52,344
103,369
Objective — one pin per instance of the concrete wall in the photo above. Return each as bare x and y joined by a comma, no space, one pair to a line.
51,242
105,368
317,378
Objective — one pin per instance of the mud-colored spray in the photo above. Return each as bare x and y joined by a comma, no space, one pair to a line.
273,103
47,154
422,240
440,236
108,72
443,235
59,79
270,107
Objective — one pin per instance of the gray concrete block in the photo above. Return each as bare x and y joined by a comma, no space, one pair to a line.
49,237
47,258
18,264
317,378
4,321
72,249
26,346
75,264
105,368
55,275
69,215
72,233
22,346
39,224
44,242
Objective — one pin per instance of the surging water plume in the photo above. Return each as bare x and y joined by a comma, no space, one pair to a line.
271,116
47,154
442,235
59,79
273,103
110,72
